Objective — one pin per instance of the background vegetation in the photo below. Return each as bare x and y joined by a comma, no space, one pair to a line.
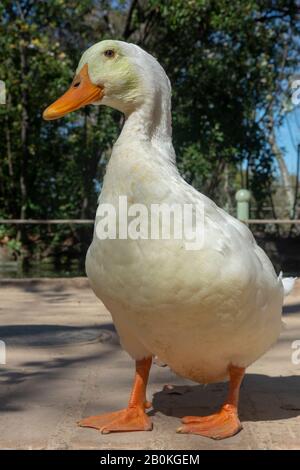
230,64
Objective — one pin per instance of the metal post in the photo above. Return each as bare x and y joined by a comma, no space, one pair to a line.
243,196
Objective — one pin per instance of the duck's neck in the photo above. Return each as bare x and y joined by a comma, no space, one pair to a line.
151,123
143,153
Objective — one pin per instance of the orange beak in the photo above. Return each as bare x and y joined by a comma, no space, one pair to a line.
81,92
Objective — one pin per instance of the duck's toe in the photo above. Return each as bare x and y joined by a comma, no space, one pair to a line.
220,425
129,419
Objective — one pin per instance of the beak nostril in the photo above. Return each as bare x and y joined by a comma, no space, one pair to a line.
71,100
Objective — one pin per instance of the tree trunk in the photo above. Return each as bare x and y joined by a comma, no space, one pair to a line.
24,139
285,177
8,141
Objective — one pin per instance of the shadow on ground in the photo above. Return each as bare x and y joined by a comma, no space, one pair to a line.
293,308
45,335
66,343
263,398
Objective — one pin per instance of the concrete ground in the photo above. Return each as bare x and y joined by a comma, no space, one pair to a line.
64,362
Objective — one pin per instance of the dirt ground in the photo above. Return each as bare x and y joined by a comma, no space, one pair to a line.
64,362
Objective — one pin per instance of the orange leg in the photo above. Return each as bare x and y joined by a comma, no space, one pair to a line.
132,418
226,422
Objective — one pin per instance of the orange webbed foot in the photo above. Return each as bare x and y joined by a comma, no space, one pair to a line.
220,425
129,419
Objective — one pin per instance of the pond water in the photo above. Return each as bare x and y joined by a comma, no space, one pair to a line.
284,254
15,270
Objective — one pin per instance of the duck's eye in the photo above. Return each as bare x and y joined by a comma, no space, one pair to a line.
109,53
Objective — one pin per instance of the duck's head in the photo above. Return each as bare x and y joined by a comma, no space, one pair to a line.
112,73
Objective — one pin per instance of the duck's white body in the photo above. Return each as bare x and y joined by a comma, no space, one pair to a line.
208,312
198,311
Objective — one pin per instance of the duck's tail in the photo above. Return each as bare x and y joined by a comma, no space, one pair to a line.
288,283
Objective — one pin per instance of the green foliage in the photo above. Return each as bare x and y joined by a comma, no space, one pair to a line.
225,60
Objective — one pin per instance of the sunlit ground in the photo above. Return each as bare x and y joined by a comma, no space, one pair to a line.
64,362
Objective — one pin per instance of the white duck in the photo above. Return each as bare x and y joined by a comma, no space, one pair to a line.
208,313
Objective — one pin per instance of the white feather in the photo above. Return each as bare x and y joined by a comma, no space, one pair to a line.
198,311
288,284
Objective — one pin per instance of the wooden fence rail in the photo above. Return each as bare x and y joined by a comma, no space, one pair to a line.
272,221
46,221
91,221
